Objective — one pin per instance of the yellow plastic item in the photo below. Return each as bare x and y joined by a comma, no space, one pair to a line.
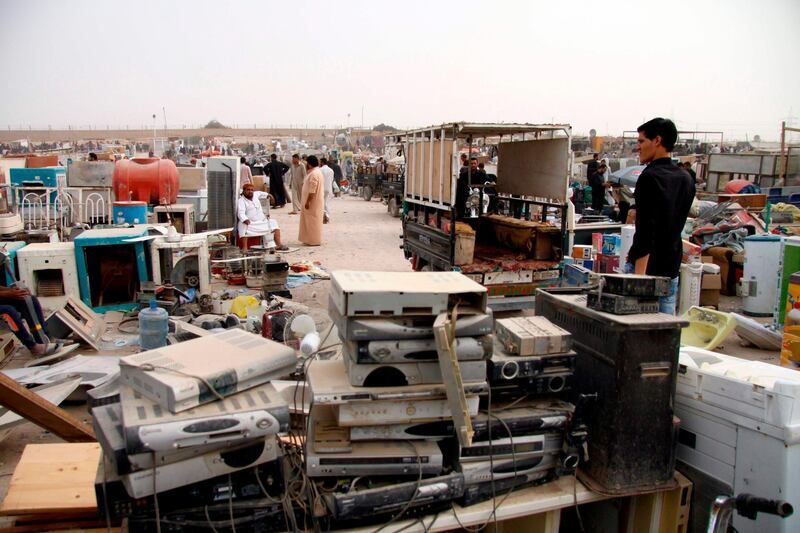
241,304
707,327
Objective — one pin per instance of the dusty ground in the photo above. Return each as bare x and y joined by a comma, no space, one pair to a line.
361,236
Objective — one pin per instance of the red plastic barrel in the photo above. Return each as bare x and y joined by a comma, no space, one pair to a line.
146,179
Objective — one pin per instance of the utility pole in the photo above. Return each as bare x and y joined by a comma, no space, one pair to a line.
154,134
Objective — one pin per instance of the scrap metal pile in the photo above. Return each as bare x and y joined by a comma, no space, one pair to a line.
426,408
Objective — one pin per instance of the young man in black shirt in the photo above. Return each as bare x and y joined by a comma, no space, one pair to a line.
663,195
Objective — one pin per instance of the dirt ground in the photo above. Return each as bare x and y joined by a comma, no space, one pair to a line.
361,236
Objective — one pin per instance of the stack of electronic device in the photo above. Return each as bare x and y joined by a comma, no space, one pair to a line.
628,294
382,424
532,357
189,413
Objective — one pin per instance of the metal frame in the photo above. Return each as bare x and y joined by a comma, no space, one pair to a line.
87,205
429,204
187,244
635,135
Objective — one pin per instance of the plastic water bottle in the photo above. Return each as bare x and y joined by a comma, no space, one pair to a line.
153,327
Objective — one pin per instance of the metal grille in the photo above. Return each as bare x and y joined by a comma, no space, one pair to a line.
221,208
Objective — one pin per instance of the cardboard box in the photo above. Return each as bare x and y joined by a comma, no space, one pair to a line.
532,335
709,298
258,183
582,251
709,289
609,264
612,244
711,281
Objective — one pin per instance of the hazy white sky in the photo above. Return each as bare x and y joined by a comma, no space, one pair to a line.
729,65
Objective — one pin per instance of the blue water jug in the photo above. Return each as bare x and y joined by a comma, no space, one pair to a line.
153,327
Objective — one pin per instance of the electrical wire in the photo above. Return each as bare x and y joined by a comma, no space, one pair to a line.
106,510
230,503
155,494
575,499
208,519
410,502
150,367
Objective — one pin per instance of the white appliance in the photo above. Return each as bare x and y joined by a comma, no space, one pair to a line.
691,281
182,216
759,283
50,272
222,176
740,432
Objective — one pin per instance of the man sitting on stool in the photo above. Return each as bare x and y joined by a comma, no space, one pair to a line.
252,221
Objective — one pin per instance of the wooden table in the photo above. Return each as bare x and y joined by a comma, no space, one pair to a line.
58,480
538,510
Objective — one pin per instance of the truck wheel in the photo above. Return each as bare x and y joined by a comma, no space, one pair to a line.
394,208
366,193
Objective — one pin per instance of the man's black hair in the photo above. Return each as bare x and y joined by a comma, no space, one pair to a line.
323,160
273,156
660,127
242,160
312,161
595,155
296,155
473,158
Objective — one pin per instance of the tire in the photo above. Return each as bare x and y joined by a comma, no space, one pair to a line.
366,193
393,207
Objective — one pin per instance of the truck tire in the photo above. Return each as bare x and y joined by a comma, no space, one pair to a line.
393,207
366,193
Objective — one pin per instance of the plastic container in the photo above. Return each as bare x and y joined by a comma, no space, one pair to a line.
153,327
631,363
146,179
740,432
130,212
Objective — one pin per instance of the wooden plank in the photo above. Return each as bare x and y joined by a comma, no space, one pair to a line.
443,332
84,526
54,478
43,413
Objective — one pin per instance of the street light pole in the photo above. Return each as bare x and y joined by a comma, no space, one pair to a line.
154,134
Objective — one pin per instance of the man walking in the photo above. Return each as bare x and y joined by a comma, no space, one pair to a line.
298,175
312,204
337,171
663,196
275,170
245,175
327,176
